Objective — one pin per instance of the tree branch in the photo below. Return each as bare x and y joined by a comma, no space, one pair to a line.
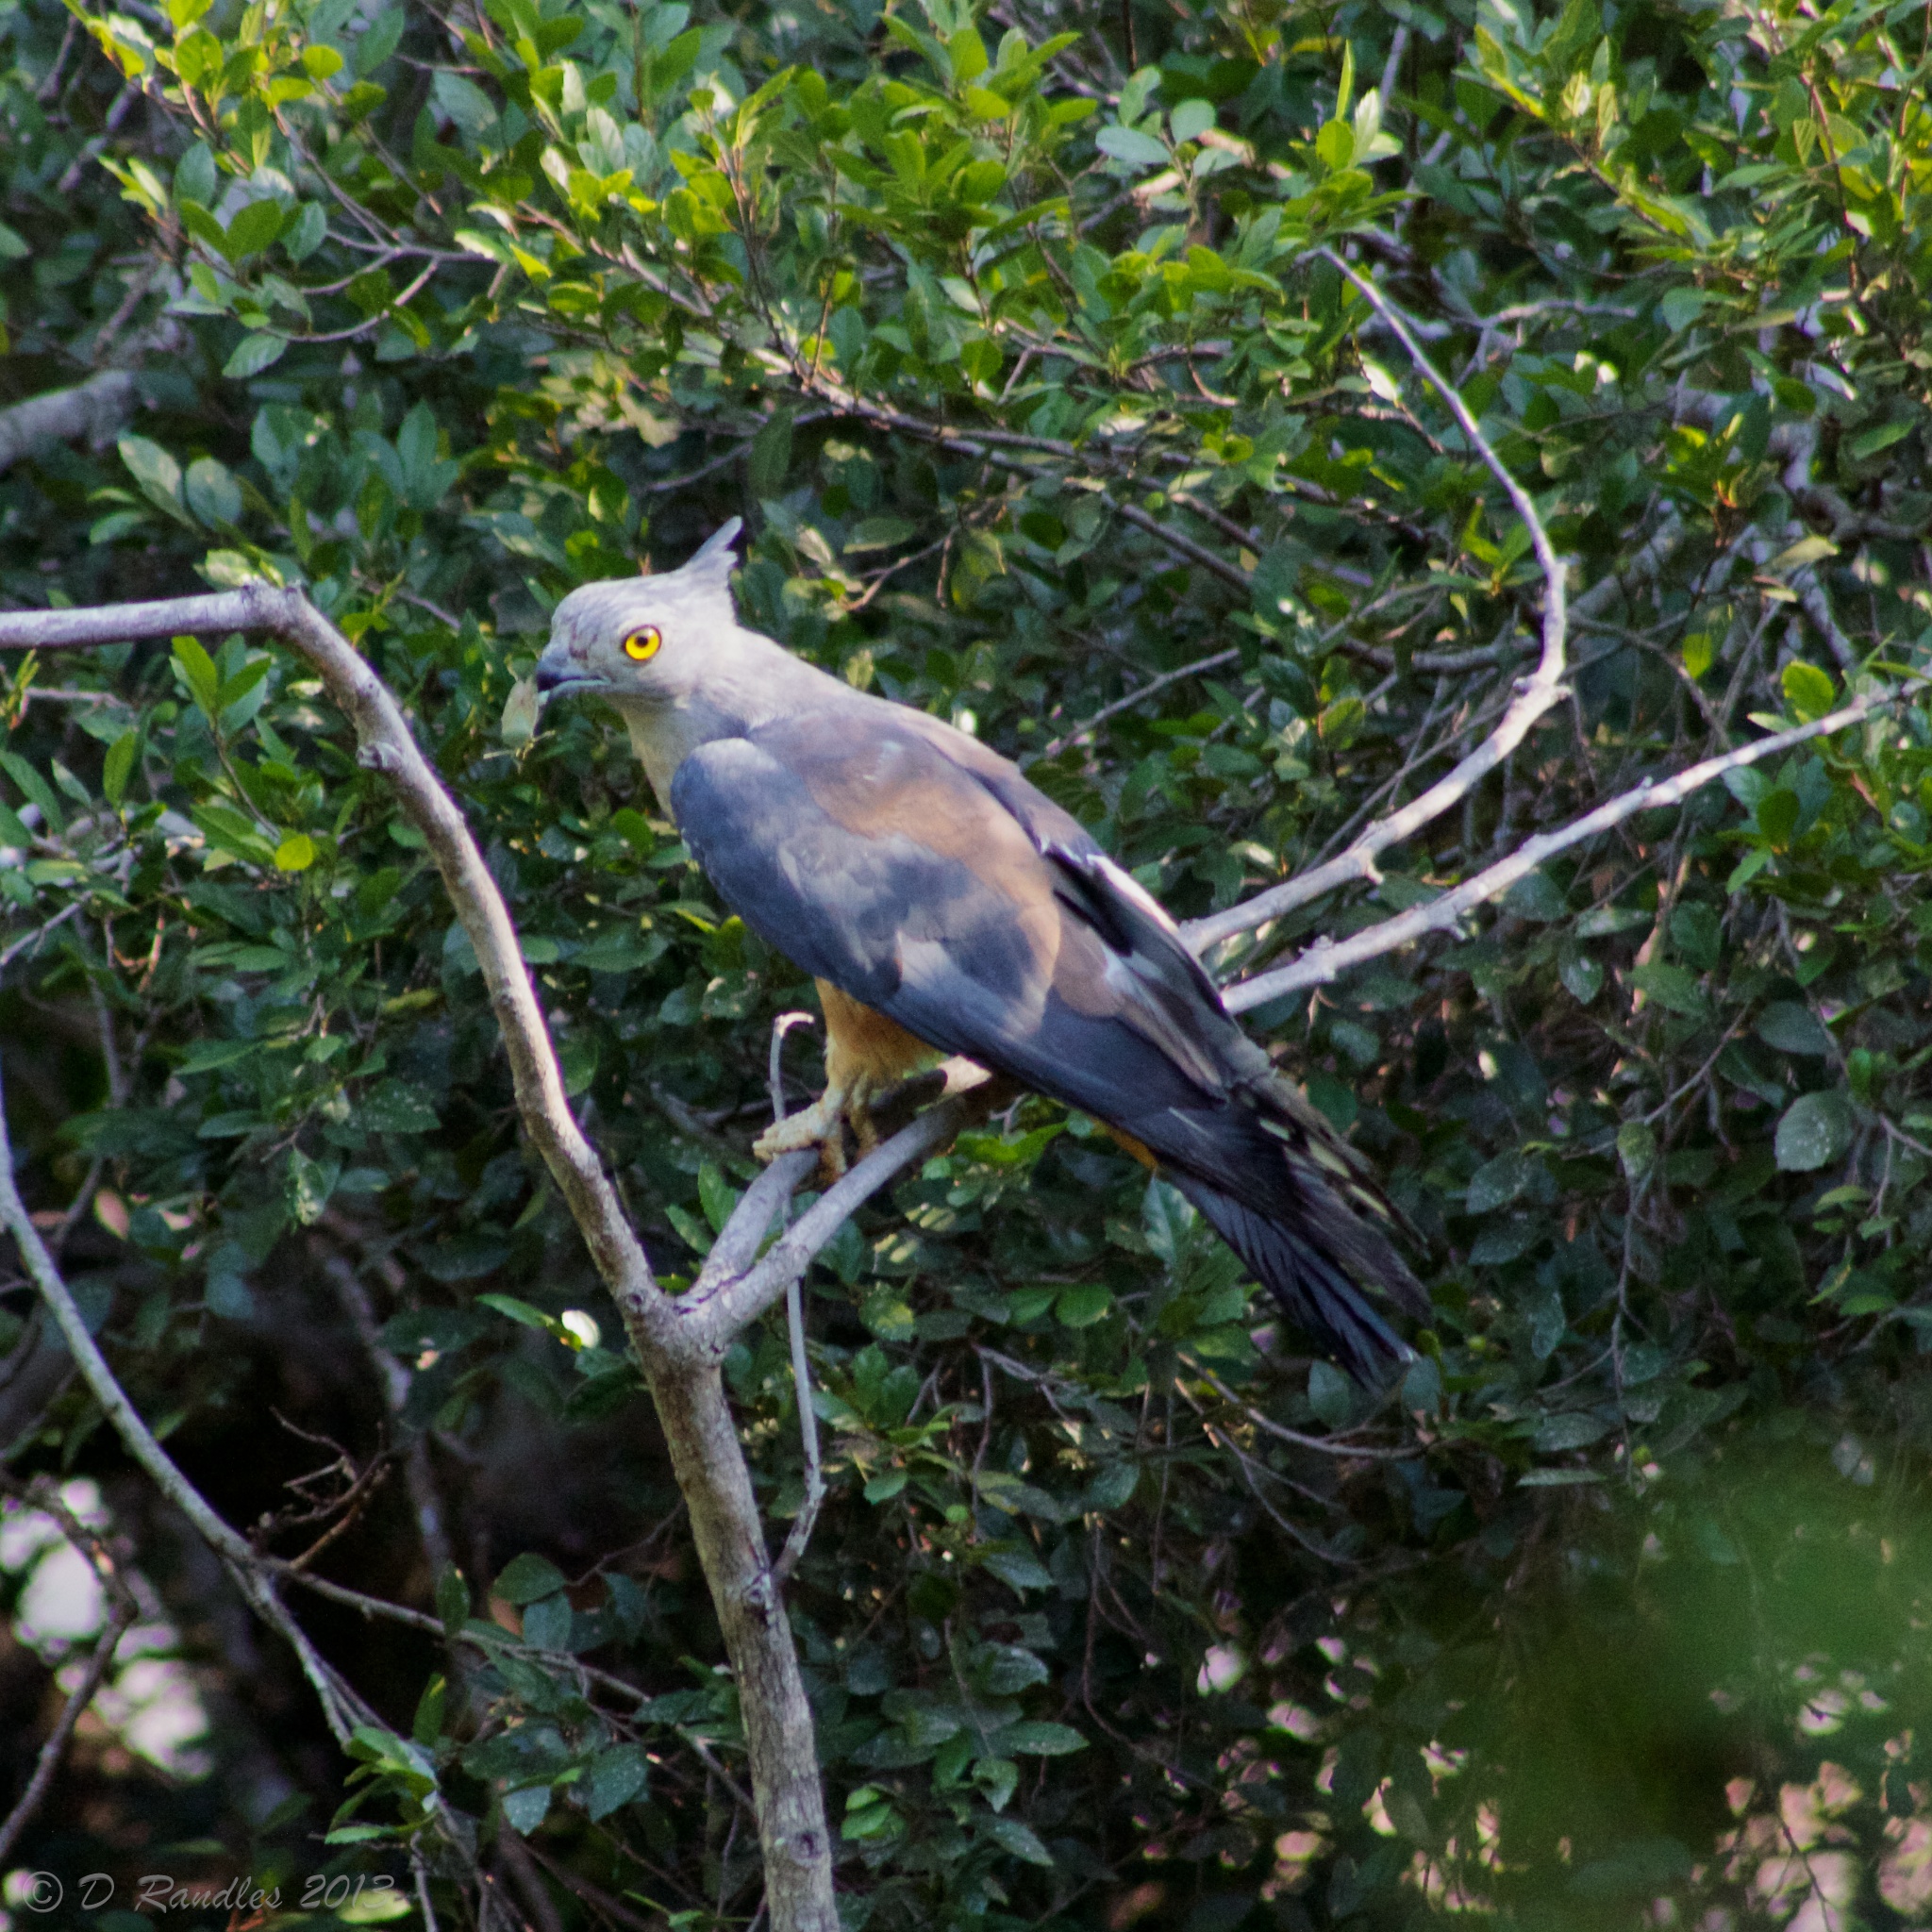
814,1486
1535,695
92,410
386,744
1326,959
726,1296
43,1496
342,1713
1215,662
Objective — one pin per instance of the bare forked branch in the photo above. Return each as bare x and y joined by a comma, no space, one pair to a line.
1326,958
1535,695
124,1610
339,1708
728,1294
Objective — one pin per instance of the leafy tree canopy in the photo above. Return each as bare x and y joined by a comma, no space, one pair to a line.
1037,347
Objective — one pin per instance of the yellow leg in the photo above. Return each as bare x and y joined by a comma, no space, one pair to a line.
865,1054
822,1126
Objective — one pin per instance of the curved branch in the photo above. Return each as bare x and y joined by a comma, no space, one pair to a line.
1326,959
44,1496
139,1439
1534,695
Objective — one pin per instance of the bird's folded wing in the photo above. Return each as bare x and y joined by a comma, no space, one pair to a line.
960,902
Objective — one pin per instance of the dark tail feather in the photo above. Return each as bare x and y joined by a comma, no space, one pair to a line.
1315,1292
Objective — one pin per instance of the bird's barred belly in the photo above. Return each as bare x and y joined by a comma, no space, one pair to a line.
862,1045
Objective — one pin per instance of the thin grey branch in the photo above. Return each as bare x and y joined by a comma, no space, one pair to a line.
1535,695
341,1711
1217,662
91,411
43,1495
1326,959
721,1302
801,1365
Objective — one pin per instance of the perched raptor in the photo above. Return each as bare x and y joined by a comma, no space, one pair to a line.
947,907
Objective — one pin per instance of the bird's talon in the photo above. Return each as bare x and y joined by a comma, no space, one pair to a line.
820,1125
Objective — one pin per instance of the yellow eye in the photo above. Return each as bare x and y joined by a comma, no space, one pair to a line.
641,645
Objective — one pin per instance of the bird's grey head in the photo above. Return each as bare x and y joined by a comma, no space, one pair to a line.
645,641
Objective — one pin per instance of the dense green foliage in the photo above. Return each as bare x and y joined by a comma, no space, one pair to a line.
1017,350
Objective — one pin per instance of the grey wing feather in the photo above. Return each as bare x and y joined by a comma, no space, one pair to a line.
924,877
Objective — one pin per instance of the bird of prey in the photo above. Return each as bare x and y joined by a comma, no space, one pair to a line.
944,906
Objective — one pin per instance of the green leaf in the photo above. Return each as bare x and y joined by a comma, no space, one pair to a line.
1807,689
879,533
1041,1741
1814,1131
309,1186
396,1107
452,1599
1192,119
158,473
427,1726
1635,1149
1794,1028
1498,1182
1582,977
1018,1838
1777,815
616,1778
296,852
1080,1308
1671,987
301,238
1018,1569
196,178
527,1579
37,788
253,353
1331,1394
253,230
384,35
118,767
1807,550
205,1055
1870,442
198,668
1569,1431
212,493
1681,307
521,711
967,52
525,1811
716,1196
1130,144
770,458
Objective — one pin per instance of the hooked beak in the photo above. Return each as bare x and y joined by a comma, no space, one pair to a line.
555,674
